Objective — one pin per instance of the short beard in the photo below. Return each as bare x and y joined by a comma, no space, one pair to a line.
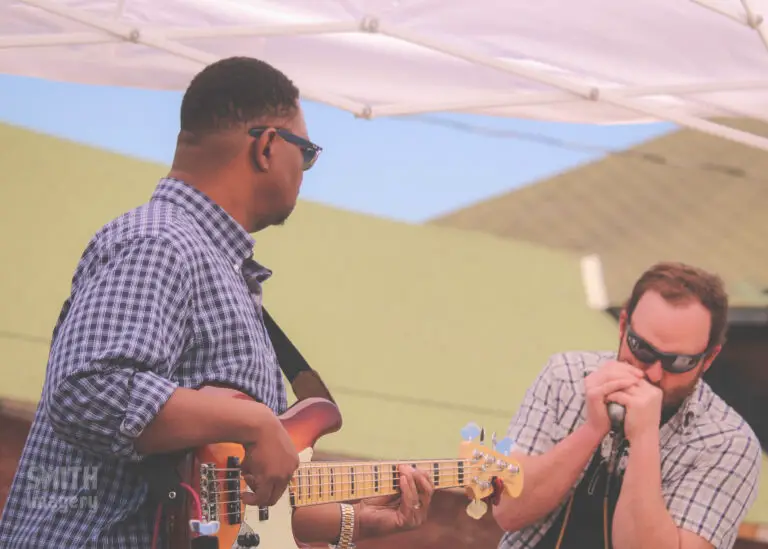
682,395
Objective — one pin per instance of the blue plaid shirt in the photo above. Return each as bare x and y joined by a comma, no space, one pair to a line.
159,300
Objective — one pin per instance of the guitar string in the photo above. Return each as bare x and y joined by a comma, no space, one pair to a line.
366,481
367,465
319,464
386,487
242,506
309,500
321,471
335,499
364,470
343,479
308,478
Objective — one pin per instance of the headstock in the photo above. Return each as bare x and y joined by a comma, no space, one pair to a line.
484,463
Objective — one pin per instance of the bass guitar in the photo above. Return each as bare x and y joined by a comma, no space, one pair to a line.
211,478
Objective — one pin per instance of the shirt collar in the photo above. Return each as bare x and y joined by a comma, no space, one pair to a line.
236,243
685,418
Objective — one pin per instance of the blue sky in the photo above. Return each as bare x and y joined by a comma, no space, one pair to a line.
408,169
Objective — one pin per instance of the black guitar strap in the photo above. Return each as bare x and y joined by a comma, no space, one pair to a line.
305,382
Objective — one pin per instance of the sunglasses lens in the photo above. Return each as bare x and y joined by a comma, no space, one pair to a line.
641,350
679,364
646,356
309,158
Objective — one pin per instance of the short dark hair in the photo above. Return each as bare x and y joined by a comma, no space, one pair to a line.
679,283
235,91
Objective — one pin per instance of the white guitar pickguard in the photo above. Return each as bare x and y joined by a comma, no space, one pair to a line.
277,531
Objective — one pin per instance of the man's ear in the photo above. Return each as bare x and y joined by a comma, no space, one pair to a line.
260,151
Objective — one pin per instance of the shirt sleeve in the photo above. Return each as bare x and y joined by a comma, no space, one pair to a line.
713,497
533,425
115,349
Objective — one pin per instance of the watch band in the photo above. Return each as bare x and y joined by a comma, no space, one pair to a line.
347,528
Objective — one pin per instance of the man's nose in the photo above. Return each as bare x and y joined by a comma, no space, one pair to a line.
654,372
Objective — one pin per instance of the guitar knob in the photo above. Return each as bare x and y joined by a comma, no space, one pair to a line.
248,540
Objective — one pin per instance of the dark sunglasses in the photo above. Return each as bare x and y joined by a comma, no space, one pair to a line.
309,151
671,362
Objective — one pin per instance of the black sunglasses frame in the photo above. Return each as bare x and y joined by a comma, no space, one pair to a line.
674,363
309,151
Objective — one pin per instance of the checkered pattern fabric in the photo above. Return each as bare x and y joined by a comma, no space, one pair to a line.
710,457
159,300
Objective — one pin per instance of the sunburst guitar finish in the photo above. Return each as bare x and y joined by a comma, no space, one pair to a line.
213,471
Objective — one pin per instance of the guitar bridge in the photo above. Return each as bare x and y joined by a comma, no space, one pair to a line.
209,493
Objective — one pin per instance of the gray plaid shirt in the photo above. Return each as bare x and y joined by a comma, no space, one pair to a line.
710,457
159,300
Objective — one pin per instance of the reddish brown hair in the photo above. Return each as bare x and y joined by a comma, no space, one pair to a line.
678,283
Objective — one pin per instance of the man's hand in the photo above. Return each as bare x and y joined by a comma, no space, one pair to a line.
390,514
269,464
612,376
643,403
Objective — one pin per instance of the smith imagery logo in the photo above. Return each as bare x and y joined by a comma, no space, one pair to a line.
62,487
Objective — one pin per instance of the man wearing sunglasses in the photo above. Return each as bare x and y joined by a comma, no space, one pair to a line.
167,298
682,470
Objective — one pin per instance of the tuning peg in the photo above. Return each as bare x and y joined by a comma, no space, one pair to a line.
504,446
482,435
471,431
493,441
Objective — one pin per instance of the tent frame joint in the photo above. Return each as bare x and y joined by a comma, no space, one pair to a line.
370,24
651,102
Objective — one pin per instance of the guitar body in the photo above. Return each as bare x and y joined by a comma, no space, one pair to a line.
213,472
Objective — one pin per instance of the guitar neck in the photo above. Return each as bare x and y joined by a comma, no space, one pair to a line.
328,482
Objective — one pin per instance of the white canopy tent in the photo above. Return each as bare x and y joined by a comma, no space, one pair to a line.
594,61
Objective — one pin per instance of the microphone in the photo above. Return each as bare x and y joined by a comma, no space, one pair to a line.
616,413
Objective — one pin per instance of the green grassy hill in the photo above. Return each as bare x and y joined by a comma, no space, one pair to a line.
417,330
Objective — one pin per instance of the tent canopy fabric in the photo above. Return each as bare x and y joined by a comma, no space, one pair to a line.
593,61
